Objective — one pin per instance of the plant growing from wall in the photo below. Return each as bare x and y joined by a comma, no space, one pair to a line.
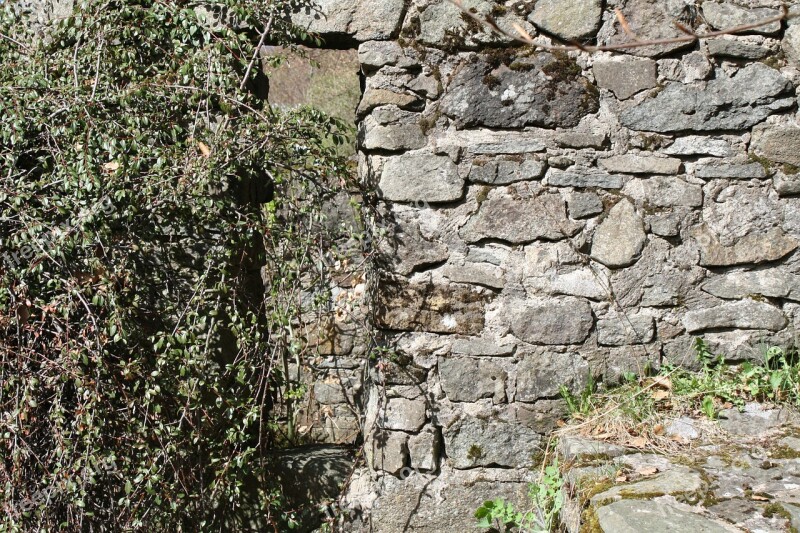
145,182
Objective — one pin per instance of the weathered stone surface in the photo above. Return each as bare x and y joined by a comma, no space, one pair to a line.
735,48
620,238
664,192
699,145
389,451
405,415
618,329
755,420
374,97
424,450
476,273
394,137
584,205
771,283
635,516
583,178
469,380
650,20
503,172
472,442
568,19
791,44
576,139
542,375
744,314
483,141
735,172
552,321
677,480
429,178
482,347
641,164
413,251
727,15
573,447
373,55
754,248
626,78
778,144
736,103
364,20
444,24
583,282
665,225
429,307
520,220
481,95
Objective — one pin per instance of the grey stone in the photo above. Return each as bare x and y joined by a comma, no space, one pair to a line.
650,20
665,225
488,142
791,44
477,273
413,251
374,97
583,178
663,191
520,220
584,205
503,172
778,144
683,427
577,139
405,415
444,24
519,97
770,283
482,347
424,450
735,48
395,137
364,20
568,19
635,516
431,307
699,145
552,321
429,178
753,248
744,314
469,380
736,172
620,238
695,67
641,164
389,451
472,442
678,480
583,282
560,161
736,103
542,375
373,55
626,78
754,421
574,447
332,393
426,85
619,329
727,15
391,373
786,185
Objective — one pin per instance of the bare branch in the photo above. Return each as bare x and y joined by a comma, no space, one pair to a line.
267,28
624,23
12,40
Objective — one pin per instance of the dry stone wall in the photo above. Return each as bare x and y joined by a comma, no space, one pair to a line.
551,216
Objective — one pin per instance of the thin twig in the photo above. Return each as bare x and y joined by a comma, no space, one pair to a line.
256,52
12,40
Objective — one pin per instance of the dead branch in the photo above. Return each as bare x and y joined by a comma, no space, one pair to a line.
524,37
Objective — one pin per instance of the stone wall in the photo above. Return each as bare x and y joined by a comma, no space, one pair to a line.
552,216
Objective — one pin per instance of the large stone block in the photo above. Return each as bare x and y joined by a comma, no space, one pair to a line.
469,380
542,375
620,238
424,450
751,95
405,415
641,164
744,314
551,321
471,442
620,329
663,191
544,90
420,178
778,144
759,247
626,78
363,20
389,451
771,283
568,19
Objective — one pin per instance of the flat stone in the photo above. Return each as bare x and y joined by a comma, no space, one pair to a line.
727,15
444,24
542,375
363,20
684,427
522,97
503,172
621,330
472,442
488,142
735,172
754,421
675,481
429,178
405,415
431,307
389,451
698,145
663,191
568,19
373,55
786,185
620,238
584,205
521,220
753,248
665,225
469,380
583,178
395,137
737,103
552,321
476,273
639,164
778,144
413,251
626,78
650,20
574,447
735,48
575,139
791,44
482,347
374,97
635,516
583,282
743,314
424,451
771,283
